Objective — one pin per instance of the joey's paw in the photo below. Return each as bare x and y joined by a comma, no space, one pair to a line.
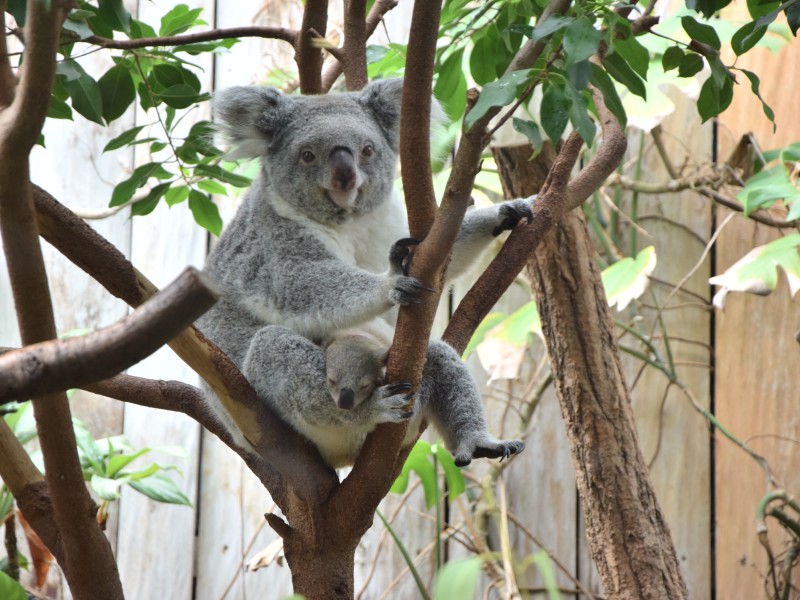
400,255
488,448
511,213
392,402
406,290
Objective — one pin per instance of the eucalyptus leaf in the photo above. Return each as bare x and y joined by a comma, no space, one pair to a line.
117,92
616,66
554,112
581,40
498,93
205,212
458,579
161,488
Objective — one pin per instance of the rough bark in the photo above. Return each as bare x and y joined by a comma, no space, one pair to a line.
629,539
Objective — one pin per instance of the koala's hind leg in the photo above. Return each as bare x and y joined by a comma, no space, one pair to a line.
452,403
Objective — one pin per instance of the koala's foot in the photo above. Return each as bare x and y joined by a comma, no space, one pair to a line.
390,403
511,213
487,447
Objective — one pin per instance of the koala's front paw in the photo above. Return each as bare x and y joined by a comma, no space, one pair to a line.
391,401
512,213
400,255
406,290
487,448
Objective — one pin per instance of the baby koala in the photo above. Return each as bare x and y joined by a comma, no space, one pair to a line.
355,365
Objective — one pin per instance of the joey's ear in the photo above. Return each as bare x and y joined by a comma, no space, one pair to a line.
247,117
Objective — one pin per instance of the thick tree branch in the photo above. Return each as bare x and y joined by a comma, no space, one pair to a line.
308,56
275,33
354,48
88,560
58,365
375,16
558,197
290,455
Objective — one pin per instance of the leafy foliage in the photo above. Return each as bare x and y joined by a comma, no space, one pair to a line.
424,460
778,182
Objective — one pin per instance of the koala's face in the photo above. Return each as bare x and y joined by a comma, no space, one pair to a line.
355,368
332,156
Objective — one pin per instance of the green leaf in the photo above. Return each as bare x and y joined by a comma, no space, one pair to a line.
765,188
581,40
90,454
482,58
451,86
616,66
78,26
178,20
636,55
707,7
754,84
212,187
793,17
517,328
551,25
148,204
10,589
455,479
627,279
201,47
17,9
498,93
578,74
673,57
178,96
117,92
119,461
705,34
205,212
554,111
161,488
123,139
542,560
713,99
602,82
176,195
458,579
489,322
531,131
579,116
756,272
58,109
106,488
747,37
124,190
759,8
418,461
84,92
691,65
223,175
114,14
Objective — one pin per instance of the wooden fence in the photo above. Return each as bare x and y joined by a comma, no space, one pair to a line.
707,487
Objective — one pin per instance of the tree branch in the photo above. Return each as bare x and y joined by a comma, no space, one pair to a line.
275,33
58,365
291,457
375,16
308,56
354,48
559,196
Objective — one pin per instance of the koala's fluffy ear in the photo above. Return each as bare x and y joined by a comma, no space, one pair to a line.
246,118
384,96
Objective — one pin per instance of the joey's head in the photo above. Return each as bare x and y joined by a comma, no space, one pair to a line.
355,365
330,156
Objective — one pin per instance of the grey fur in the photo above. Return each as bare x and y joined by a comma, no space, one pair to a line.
308,255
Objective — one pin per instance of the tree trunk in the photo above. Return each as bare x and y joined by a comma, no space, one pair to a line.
629,539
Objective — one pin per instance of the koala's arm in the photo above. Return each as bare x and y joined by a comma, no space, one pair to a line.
321,297
481,226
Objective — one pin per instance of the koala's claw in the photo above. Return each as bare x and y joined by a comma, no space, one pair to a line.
408,415
406,290
400,255
511,214
397,388
489,449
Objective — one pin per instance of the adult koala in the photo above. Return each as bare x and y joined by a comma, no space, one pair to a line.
307,255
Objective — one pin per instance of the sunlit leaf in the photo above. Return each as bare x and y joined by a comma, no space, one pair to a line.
123,139
10,589
756,272
498,93
458,579
205,212
161,488
627,279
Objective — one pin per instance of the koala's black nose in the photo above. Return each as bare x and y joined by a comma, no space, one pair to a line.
346,398
343,171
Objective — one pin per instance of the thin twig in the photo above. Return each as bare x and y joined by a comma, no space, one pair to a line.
275,33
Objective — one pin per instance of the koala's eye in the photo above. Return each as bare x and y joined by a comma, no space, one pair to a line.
366,385
307,156
368,150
